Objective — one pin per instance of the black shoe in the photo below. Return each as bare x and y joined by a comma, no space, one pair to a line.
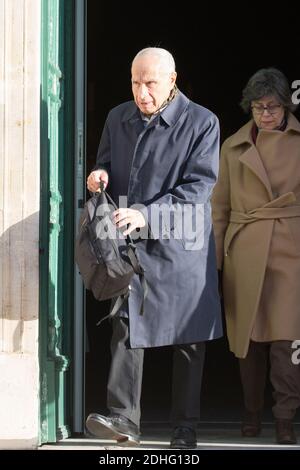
183,438
114,426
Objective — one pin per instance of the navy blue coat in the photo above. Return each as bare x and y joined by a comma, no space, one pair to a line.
171,162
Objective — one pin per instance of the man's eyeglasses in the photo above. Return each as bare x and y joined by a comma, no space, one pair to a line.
271,108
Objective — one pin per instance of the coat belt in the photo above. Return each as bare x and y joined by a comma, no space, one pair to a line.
264,213
276,209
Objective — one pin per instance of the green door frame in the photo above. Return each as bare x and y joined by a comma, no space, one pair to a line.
79,198
57,215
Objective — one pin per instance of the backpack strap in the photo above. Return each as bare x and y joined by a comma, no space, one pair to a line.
117,305
138,270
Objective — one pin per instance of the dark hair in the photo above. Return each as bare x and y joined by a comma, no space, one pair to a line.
267,82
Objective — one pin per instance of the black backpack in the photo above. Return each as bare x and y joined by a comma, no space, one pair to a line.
105,258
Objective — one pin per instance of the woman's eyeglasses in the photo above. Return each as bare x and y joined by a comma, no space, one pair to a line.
260,108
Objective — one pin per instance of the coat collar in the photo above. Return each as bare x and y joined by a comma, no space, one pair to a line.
252,160
243,135
169,115
250,157
293,124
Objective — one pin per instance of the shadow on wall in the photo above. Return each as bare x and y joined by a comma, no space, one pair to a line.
19,280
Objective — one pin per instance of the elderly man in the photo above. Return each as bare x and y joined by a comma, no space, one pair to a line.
161,151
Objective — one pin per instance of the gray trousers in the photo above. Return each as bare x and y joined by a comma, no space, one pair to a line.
284,376
126,373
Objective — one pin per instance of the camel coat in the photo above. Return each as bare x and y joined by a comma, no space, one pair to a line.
256,216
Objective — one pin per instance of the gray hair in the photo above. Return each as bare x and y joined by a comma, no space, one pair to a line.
266,82
165,57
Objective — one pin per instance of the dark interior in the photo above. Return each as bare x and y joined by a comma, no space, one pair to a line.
214,58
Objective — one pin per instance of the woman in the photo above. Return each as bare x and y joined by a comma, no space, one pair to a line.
256,213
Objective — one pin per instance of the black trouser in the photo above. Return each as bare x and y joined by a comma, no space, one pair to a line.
284,376
126,372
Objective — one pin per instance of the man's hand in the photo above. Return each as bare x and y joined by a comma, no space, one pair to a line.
132,217
94,178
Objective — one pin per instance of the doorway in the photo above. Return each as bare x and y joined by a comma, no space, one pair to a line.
211,71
